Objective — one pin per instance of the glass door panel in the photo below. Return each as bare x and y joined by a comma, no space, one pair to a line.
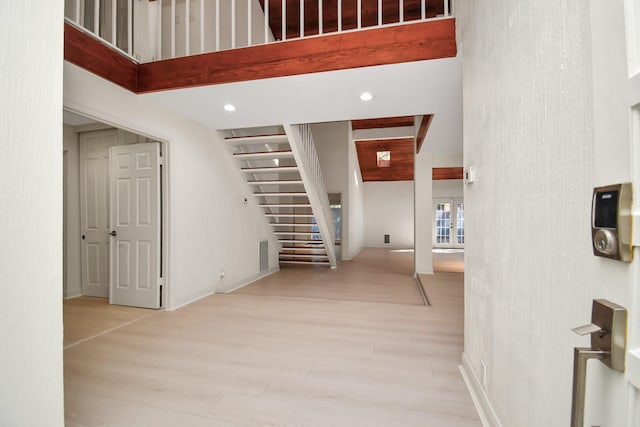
459,225
442,233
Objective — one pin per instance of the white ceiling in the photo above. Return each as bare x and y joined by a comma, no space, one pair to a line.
415,88
72,119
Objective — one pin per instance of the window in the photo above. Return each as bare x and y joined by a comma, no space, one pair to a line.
384,159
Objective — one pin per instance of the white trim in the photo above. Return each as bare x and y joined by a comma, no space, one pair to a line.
480,399
72,296
248,282
349,258
117,123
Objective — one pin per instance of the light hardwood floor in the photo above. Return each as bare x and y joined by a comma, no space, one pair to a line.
375,275
86,317
249,360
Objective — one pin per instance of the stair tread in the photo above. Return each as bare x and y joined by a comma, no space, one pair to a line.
298,233
285,215
281,193
304,256
305,262
295,205
270,169
256,139
277,181
263,153
300,241
293,224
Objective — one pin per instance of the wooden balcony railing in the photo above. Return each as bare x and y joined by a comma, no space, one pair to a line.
152,30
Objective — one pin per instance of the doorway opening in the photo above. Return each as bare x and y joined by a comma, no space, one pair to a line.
115,222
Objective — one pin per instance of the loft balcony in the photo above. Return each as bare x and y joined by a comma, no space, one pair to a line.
154,45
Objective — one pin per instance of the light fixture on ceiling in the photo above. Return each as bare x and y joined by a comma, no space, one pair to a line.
366,96
229,107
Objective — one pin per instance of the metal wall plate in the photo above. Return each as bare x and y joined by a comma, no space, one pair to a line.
612,319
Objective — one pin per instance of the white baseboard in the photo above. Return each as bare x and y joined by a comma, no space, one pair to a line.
480,399
73,296
250,281
350,257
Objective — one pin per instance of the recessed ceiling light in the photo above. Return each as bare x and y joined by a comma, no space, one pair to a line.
366,96
229,107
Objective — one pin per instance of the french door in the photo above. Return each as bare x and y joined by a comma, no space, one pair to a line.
448,223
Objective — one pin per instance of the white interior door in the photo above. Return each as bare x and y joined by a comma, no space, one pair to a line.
94,208
135,219
613,398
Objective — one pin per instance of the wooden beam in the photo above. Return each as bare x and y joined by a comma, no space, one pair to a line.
389,45
86,52
422,132
446,173
389,122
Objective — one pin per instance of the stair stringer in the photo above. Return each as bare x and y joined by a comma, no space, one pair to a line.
304,153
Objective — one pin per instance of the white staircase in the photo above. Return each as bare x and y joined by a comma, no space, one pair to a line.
281,166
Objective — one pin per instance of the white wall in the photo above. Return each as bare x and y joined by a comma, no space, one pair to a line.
529,131
31,384
355,199
332,146
448,189
423,216
210,228
72,274
336,154
388,209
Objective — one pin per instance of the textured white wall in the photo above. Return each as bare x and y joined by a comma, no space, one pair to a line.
210,228
388,209
31,384
423,216
355,211
530,274
448,189
72,276
332,146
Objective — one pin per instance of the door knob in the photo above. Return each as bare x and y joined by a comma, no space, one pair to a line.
113,233
608,330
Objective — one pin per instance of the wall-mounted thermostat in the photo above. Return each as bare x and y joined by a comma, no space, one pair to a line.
611,222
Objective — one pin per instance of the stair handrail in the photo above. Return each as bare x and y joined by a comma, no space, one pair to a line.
304,151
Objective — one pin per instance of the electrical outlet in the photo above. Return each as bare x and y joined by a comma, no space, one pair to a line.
221,275
483,374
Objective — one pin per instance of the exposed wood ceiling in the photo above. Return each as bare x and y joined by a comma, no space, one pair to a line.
390,12
401,165
438,174
388,122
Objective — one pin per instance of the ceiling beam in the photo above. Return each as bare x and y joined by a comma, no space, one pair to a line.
97,58
422,133
380,46
389,122
439,174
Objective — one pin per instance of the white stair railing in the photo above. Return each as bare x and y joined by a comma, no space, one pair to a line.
173,28
304,152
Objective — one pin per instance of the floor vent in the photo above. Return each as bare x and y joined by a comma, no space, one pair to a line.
264,255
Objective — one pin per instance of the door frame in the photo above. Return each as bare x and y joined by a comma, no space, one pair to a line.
165,234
